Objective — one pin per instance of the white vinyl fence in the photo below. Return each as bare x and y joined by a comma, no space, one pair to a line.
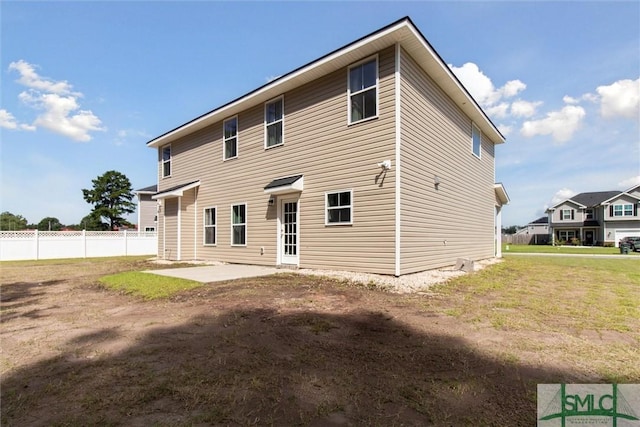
23,245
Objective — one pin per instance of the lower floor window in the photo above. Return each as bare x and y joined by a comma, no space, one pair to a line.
566,234
338,207
210,226
149,229
239,224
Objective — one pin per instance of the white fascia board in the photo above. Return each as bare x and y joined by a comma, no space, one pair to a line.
296,187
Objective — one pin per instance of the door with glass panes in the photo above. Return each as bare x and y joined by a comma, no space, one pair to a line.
289,229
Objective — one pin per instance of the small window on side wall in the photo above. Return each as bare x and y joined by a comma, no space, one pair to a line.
230,138
274,123
339,207
476,140
210,229
363,91
166,161
239,225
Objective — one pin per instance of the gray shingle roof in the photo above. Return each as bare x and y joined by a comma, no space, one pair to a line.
594,198
149,189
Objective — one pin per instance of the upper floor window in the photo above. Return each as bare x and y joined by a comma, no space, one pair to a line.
166,161
476,140
274,123
623,210
566,214
338,207
230,138
363,90
588,214
210,229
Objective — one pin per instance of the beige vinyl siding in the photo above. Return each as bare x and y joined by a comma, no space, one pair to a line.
170,231
318,143
456,219
188,223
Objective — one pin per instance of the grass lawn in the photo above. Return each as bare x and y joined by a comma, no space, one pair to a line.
302,350
147,285
548,249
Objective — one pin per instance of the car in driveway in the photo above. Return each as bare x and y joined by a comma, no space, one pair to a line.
633,242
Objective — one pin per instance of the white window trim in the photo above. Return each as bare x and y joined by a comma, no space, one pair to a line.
562,211
476,128
224,140
326,208
622,210
357,64
246,229
162,161
589,214
266,134
214,226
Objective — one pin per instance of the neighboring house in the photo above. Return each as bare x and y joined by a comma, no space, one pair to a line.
373,158
603,217
147,209
536,232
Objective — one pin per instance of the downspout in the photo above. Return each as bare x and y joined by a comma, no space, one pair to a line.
398,138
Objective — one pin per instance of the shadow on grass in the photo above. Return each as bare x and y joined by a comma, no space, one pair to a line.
264,367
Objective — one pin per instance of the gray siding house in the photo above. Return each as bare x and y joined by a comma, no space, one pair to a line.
596,218
372,158
147,208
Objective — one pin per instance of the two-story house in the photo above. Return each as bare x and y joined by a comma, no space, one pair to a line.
147,208
596,218
372,158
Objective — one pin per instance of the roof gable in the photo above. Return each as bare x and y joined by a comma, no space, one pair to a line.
402,31
594,198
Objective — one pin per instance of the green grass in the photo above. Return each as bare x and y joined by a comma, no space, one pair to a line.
147,285
582,250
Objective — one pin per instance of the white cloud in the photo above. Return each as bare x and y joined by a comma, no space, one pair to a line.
570,100
7,120
522,108
500,111
561,125
57,104
505,129
561,195
620,99
630,182
31,79
482,88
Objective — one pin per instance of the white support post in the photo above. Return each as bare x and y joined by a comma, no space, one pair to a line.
37,245
498,232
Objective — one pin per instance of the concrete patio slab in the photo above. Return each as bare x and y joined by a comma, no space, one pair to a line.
217,273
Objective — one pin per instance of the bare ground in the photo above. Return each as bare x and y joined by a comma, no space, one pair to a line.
280,350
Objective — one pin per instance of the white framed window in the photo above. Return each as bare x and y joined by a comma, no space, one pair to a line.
210,227
166,161
149,229
363,90
339,207
566,234
476,140
230,138
566,214
588,214
623,210
239,224
274,123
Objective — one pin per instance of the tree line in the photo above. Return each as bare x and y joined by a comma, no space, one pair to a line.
111,194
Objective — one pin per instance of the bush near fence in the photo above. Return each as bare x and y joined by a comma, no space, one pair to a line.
34,244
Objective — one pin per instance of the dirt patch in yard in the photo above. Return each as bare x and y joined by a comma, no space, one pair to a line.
280,350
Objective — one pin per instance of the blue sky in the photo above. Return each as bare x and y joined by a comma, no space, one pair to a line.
86,84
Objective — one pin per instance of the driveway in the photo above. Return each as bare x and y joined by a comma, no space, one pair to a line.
217,273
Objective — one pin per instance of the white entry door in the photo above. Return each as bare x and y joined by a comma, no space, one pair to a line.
289,253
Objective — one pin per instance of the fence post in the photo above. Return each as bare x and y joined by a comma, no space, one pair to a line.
125,242
84,243
37,245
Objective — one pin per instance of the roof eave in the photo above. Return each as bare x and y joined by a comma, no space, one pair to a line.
402,31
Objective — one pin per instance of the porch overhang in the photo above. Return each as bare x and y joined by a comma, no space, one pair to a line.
289,184
502,198
176,191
